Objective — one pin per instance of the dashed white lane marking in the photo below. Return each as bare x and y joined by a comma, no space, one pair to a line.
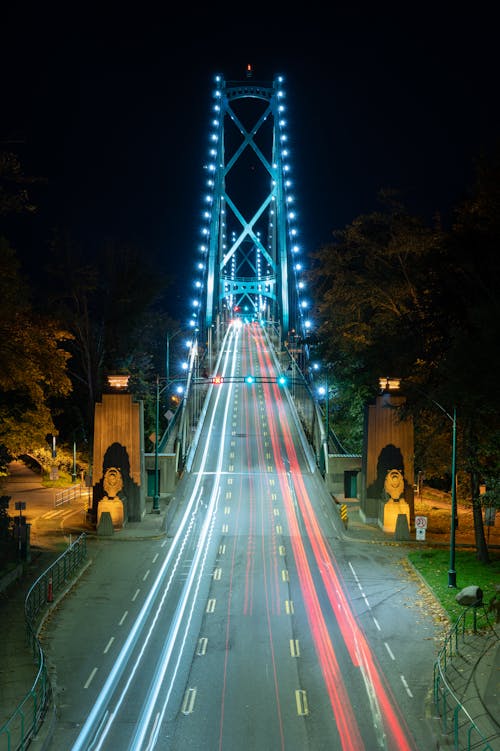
389,650
90,678
377,625
120,622
108,645
407,688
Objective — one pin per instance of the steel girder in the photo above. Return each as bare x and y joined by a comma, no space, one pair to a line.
247,249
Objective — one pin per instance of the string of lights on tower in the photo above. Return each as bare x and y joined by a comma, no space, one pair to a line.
249,197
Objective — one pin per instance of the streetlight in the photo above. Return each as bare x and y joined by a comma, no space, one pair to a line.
323,391
169,339
452,574
73,476
156,496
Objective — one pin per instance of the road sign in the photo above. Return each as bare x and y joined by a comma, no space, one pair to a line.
420,533
420,522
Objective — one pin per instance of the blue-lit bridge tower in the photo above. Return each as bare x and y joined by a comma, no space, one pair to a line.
250,246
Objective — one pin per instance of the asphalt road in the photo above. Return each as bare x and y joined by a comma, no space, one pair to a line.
255,623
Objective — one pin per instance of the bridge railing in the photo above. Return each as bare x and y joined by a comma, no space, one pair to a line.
17,732
184,423
311,415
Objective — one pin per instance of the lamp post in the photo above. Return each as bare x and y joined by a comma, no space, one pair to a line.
74,459
452,574
323,391
156,497
169,339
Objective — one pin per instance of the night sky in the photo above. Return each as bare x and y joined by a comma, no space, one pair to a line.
113,110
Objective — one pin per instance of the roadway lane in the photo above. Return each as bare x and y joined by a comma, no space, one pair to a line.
252,628
284,664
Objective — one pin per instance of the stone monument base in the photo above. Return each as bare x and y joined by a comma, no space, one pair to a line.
391,511
114,508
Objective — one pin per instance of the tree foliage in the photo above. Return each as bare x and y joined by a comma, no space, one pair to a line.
14,198
33,362
398,298
109,301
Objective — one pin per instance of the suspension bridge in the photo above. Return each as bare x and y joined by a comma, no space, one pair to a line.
249,260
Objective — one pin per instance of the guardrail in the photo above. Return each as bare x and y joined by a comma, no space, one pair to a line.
470,637
18,731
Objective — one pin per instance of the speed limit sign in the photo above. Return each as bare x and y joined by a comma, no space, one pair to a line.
420,527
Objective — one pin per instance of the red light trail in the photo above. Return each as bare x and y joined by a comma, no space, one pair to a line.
353,636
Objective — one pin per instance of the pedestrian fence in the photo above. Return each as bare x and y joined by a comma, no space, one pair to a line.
20,729
456,698
68,494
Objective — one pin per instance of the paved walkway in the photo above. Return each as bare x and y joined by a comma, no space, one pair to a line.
18,670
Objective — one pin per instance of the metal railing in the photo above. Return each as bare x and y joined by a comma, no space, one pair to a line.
28,716
67,495
455,696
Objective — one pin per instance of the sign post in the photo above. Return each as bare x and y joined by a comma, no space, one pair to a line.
420,527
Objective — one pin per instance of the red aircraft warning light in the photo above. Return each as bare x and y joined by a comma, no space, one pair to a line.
218,379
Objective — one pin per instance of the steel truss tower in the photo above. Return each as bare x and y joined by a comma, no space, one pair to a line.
249,237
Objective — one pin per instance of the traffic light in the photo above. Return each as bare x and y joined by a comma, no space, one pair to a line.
282,380
218,379
249,379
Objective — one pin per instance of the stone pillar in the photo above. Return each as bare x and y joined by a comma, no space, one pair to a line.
387,445
118,459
